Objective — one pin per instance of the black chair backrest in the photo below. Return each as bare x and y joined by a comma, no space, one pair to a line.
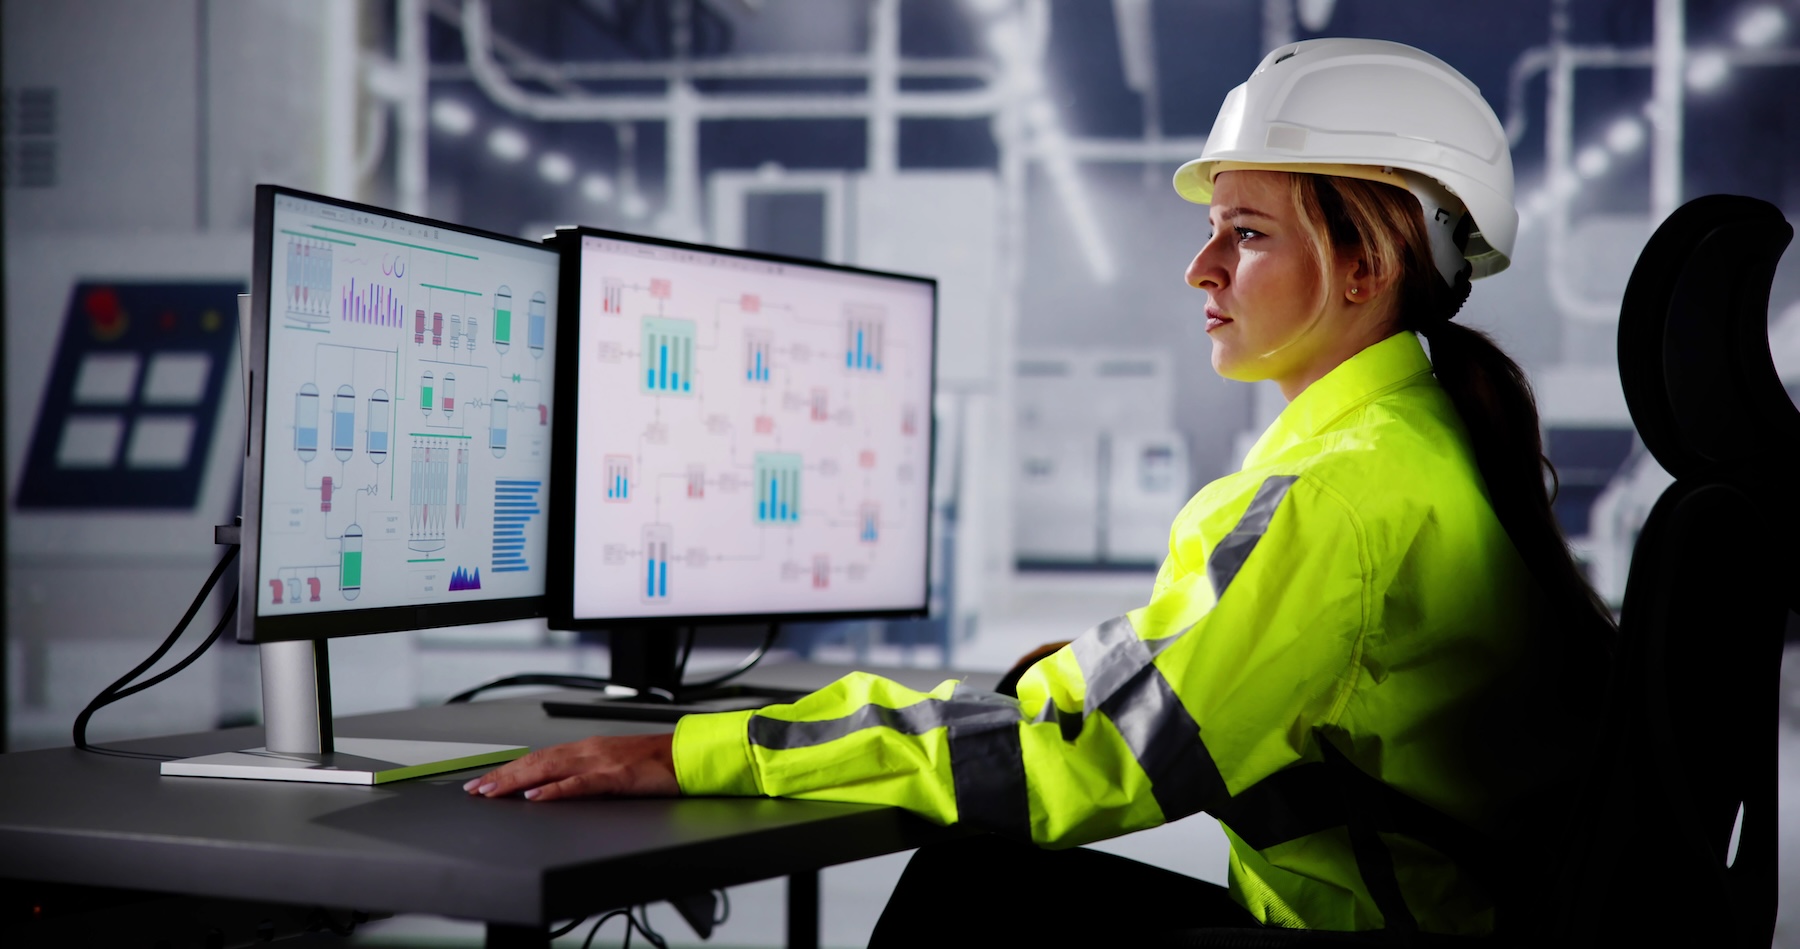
1694,709
1694,342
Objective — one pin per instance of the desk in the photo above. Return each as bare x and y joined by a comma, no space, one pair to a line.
424,846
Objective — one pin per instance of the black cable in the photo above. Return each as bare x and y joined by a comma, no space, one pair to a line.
103,700
724,908
742,667
559,933
589,941
562,680
598,683
213,637
121,753
117,690
324,916
687,650
656,938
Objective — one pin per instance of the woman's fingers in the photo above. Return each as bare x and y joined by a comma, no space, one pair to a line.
592,784
531,770
637,765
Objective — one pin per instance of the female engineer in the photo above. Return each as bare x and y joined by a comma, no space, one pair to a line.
1366,651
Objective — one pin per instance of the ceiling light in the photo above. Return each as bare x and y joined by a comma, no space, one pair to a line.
508,144
633,205
556,168
1707,71
1760,26
597,188
1005,39
452,116
1315,15
987,8
1626,135
1592,162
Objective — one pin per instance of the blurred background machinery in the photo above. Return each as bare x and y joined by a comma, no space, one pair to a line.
1018,150
1101,469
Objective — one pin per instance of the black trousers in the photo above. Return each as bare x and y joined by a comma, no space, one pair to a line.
988,891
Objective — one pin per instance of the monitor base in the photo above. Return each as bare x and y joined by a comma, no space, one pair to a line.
731,698
356,761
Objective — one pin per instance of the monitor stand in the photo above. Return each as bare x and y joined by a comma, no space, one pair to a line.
644,661
296,680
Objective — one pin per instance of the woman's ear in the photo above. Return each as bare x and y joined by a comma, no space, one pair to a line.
1356,283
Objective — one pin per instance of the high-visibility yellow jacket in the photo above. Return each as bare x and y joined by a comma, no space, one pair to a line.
1333,663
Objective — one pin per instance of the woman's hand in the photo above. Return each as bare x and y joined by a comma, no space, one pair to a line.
602,766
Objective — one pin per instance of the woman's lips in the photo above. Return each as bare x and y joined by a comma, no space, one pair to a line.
1215,319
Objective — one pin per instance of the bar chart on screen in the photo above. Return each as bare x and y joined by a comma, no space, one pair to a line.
414,446
753,424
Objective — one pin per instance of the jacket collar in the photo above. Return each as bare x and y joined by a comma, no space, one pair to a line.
1355,382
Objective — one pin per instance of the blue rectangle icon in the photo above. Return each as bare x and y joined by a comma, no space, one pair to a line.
668,355
777,487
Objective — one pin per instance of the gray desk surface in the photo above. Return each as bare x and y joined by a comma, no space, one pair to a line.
419,846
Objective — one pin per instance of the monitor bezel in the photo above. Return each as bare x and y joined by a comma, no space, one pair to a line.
253,628
560,580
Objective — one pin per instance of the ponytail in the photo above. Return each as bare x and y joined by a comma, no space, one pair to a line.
1489,390
1494,398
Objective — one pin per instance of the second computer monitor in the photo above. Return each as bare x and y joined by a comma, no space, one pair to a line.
747,437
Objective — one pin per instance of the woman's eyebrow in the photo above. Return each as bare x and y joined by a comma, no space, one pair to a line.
1230,213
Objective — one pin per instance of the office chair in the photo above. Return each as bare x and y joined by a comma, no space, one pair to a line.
1646,855
1694,710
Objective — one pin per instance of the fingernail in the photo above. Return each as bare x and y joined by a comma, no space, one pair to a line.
532,794
487,788
470,784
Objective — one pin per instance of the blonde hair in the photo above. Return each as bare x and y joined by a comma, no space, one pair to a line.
1384,226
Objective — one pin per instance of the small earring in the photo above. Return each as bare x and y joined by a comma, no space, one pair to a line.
1355,290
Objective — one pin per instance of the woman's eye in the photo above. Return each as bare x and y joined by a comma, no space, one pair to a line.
1244,233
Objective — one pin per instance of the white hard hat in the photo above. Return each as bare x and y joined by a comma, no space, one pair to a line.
1379,110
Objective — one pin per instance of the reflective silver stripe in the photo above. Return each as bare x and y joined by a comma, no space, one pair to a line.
1228,558
986,760
1124,683
968,708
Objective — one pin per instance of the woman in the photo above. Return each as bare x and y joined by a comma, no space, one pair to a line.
1363,651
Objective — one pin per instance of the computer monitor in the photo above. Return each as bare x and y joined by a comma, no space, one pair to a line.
745,438
400,375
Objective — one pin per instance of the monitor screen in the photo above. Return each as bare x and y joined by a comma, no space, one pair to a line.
400,441
749,437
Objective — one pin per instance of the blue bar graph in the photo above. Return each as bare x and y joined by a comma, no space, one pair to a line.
863,343
657,540
618,477
777,487
515,506
756,355
668,355
871,520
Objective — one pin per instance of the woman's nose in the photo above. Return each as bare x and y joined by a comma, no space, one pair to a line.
1203,272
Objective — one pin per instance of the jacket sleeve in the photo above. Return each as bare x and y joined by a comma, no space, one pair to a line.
1146,718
